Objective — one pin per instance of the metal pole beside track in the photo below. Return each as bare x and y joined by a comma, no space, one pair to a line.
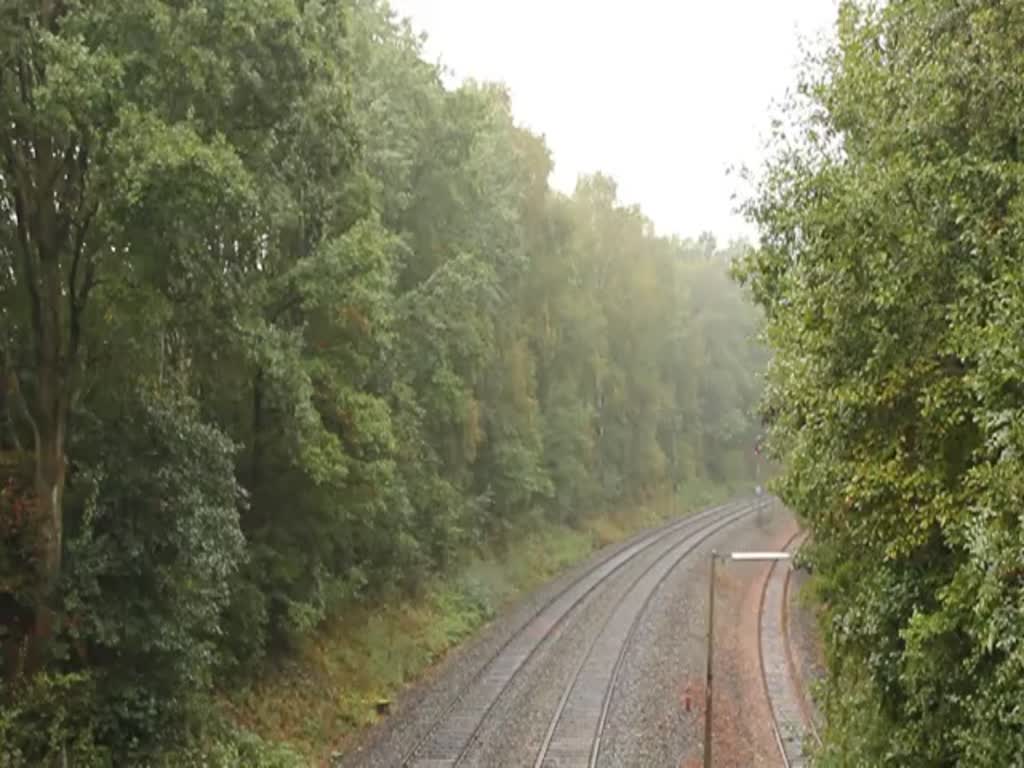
709,674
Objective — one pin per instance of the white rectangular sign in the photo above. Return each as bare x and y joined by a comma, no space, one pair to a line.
760,556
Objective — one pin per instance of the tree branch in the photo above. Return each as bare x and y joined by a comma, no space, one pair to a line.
79,295
73,170
13,384
25,240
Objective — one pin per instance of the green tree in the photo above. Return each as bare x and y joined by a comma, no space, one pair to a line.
94,135
889,272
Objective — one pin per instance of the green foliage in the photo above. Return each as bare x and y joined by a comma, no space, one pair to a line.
49,721
889,269
288,326
228,747
159,530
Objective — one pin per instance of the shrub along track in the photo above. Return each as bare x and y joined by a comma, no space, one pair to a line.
452,733
791,714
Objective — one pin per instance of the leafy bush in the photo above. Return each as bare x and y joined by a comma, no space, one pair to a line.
49,721
227,747
149,566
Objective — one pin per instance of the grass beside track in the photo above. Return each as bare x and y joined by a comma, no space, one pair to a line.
317,700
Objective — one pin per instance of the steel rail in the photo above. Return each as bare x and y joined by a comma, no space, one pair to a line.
787,737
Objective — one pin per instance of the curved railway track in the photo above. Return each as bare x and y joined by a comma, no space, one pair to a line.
577,726
792,722
448,740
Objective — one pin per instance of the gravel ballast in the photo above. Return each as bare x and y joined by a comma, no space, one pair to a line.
655,715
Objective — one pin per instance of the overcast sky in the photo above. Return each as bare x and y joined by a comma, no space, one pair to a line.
664,95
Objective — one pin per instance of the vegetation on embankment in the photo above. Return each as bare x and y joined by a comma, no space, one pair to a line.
287,328
316,700
890,269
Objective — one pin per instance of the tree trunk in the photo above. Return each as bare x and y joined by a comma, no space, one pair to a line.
50,470
45,179
55,355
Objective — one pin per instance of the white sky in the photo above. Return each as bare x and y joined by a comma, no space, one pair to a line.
664,95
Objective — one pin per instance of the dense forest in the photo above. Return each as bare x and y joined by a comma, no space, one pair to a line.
891,271
287,326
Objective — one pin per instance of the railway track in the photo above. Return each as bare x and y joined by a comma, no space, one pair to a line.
576,729
448,740
792,722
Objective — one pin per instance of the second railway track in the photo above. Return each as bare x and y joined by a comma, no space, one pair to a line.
792,721
449,739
